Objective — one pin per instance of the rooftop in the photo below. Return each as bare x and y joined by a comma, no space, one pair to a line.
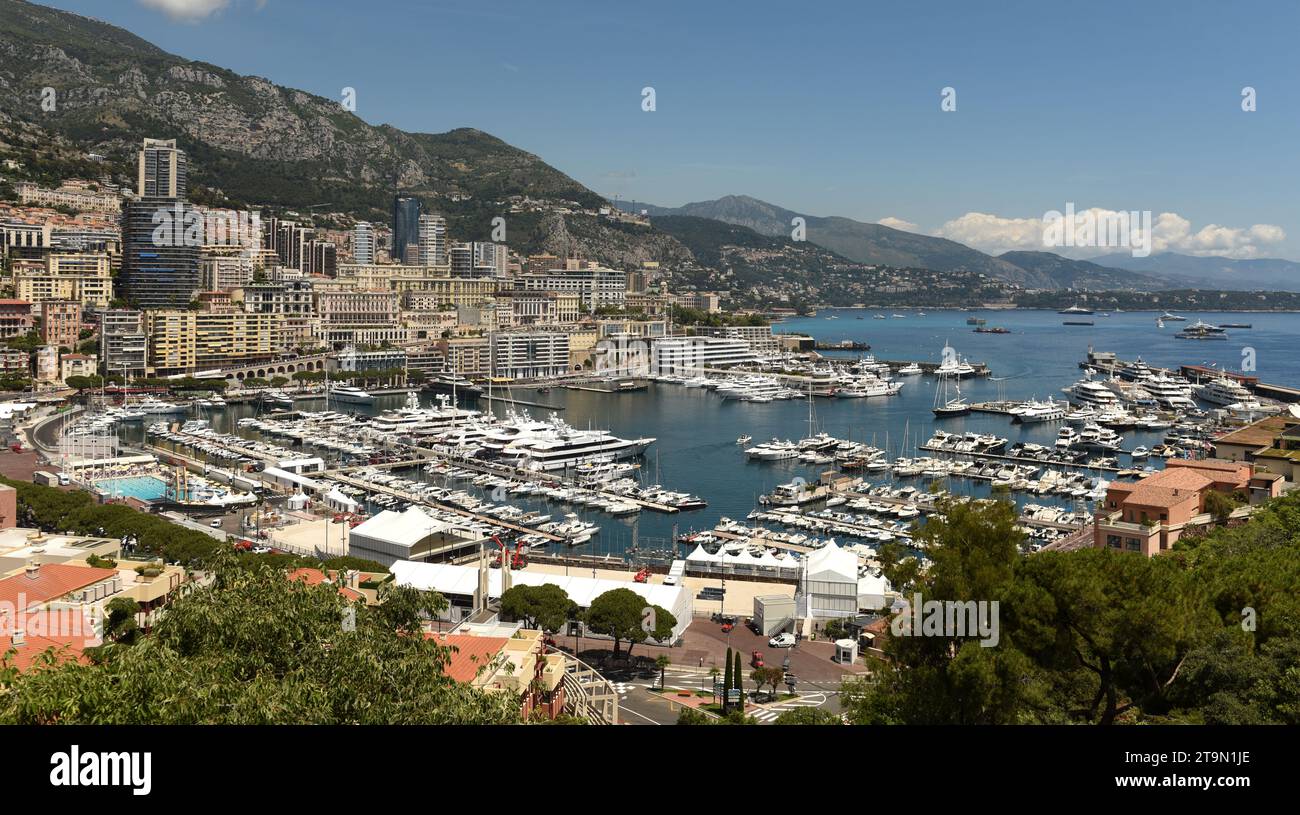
1169,488
50,581
469,653
1260,433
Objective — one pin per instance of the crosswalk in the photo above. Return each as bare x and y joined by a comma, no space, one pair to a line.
769,714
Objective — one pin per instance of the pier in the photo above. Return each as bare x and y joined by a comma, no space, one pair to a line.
1109,365
980,368
524,402
464,513
1022,460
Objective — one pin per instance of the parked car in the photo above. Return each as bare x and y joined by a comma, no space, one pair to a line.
782,640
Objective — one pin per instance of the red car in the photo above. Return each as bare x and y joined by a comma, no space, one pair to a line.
756,659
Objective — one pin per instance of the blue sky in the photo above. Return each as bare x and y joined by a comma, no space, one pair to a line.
827,108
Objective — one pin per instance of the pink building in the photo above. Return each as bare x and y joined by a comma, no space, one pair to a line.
1149,516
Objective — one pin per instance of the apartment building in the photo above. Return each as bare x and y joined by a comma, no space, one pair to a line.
123,342
595,287
468,356
83,277
528,354
363,243
22,236
295,298
379,359
60,323
360,317
683,354
73,194
759,338
1149,516
226,268
541,308
77,365
186,341
15,318
700,301
432,240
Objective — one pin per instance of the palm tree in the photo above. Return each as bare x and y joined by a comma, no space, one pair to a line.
663,662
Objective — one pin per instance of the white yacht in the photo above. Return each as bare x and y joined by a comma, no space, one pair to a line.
1171,392
1096,437
910,369
1066,437
153,406
415,420
954,366
553,445
1034,411
350,394
1223,390
867,386
1093,393
774,450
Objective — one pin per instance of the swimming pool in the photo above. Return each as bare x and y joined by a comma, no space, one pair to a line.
144,487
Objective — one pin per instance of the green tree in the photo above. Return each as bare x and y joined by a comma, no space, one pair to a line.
662,661
727,681
739,676
257,648
1220,505
807,715
619,613
547,606
120,621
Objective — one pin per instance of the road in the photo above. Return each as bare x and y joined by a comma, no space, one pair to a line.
638,705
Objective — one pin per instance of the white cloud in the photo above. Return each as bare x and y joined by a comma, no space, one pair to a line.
187,11
1169,232
899,223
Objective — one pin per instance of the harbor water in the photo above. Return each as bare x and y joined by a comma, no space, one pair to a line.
696,430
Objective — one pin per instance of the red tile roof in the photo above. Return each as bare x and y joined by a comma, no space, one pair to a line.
1169,488
52,580
314,577
469,653
67,645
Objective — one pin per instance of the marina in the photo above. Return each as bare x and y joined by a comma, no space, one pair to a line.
1142,412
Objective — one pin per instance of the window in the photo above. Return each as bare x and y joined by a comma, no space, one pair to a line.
1134,545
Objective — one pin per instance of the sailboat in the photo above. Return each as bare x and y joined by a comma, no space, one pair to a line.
943,406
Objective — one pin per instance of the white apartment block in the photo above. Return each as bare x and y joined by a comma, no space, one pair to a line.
432,240
529,354
595,287
683,354
759,338
363,243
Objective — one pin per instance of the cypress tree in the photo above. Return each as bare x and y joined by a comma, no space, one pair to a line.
726,682
740,681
